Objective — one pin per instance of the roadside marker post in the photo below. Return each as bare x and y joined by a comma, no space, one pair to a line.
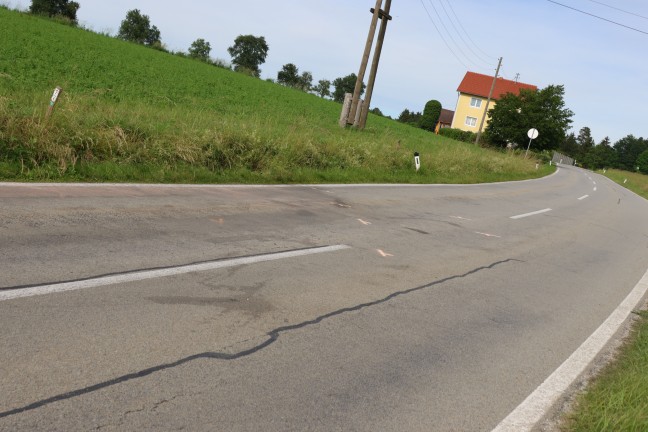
417,161
55,96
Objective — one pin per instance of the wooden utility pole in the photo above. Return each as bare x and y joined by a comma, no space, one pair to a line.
363,64
385,17
490,95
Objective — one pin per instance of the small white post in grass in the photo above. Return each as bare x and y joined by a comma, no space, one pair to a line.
604,171
625,181
55,96
417,161
537,166
550,163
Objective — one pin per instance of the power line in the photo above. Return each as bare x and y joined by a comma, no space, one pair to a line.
466,33
450,34
596,16
441,35
620,10
461,36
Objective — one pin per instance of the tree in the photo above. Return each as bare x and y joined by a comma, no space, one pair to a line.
585,143
200,50
628,150
305,82
642,162
323,88
288,75
248,53
410,117
345,85
137,28
514,115
601,156
50,8
431,114
569,146
377,111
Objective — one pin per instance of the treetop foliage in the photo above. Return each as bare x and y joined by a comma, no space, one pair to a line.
431,114
289,76
51,8
248,53
514,115
200,50
345,85
137,28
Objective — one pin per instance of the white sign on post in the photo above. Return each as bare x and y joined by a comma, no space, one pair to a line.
55,95
417,161
532,134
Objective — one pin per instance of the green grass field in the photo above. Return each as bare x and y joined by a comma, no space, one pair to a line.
130,113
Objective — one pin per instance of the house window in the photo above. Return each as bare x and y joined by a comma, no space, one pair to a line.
475,102
471,121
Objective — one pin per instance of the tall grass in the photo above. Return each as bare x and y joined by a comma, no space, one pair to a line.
618,399
126,107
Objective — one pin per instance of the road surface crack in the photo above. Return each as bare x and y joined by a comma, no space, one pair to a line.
272,337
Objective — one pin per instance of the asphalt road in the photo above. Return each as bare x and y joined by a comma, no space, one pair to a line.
435,311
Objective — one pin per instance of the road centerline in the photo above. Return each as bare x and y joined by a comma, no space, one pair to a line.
159,273
521,216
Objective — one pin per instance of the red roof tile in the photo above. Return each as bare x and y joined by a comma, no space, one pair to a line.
479,85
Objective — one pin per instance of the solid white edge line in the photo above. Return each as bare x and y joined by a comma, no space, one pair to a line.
536,406
151,274
252,186
583,197
531,214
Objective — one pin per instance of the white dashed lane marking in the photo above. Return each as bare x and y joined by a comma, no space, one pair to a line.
531,214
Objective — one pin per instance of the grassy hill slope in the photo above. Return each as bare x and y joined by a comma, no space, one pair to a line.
130,113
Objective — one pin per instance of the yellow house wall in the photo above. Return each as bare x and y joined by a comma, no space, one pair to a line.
464,110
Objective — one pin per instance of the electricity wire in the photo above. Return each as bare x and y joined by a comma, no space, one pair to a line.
620,10
487,62
601,18
441,35
449,35
466,33
448,32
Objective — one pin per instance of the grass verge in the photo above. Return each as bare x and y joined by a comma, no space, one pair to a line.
637,183
617,400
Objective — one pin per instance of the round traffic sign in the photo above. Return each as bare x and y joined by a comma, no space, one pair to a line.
533,133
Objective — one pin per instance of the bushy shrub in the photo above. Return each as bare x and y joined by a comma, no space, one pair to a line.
458,134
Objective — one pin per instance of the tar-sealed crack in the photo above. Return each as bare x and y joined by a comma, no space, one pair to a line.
272,337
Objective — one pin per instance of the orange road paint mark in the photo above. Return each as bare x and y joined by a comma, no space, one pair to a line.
219,221
384,254
363,222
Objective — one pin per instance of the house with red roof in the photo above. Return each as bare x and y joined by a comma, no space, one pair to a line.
473,94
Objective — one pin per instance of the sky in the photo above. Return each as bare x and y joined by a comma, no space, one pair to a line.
603,66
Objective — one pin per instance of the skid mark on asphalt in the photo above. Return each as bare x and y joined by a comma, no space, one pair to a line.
273,336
